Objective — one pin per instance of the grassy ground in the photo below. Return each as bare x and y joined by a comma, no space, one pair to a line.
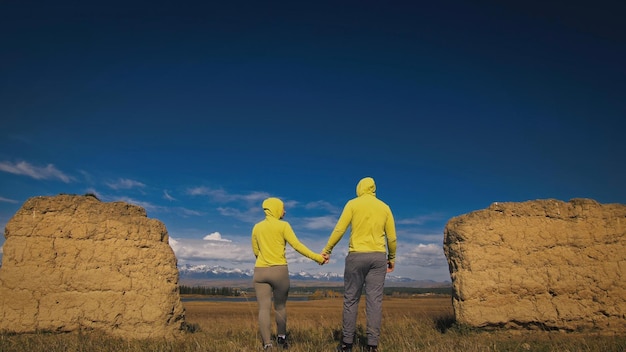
409,324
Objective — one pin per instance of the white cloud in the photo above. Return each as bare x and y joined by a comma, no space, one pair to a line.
199,191
7,200
321,204
124,183
220,195
87,176
420,220
411,236
215,236
93,191
167,196
38,173
289,204
188,212
193,250
424,255
255,196
320,222
251,216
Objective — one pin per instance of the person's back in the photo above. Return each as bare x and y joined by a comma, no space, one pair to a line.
369,225
371,221
271,275
372,252
270,235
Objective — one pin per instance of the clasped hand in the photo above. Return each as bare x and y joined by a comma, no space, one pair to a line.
326,258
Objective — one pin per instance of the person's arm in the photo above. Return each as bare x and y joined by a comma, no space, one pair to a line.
390,232
255,243
340,228
290,237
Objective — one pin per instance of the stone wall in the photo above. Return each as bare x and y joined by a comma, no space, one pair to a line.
74,262
543,264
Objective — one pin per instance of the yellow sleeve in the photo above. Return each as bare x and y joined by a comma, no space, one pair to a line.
340,229
255,243
291,238
390,231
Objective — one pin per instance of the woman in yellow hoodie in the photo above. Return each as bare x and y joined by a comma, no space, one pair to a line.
271,276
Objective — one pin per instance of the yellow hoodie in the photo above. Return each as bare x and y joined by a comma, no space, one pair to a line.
372,225
270,236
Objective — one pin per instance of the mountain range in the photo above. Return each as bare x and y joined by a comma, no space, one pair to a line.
198,273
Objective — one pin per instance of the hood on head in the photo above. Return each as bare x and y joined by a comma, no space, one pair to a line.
273,207
366,186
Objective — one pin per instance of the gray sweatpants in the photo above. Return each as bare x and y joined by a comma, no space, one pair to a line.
369,270
268,282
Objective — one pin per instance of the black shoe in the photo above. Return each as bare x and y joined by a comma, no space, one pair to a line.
372,348
344,347
282,342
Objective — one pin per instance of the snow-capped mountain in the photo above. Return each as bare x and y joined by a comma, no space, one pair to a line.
219,272
212,272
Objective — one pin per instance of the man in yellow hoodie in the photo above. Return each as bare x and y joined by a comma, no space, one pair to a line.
271,276
371,255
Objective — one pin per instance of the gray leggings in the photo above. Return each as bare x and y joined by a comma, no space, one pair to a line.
270,281
364,270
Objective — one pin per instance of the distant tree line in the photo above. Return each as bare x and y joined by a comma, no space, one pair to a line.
388,291
331,292
209,291
314,292
319,294
407,291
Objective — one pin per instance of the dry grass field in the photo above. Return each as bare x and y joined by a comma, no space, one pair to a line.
409,324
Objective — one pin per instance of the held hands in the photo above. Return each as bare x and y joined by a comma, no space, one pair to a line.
326,258
390,266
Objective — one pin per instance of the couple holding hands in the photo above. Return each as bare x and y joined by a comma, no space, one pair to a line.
371,255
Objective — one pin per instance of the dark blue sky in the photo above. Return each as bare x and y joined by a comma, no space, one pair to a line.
197,111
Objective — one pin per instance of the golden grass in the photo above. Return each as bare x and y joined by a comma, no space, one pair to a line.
409,324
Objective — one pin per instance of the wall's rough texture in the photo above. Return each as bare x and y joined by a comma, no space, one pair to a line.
74,262
540,264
